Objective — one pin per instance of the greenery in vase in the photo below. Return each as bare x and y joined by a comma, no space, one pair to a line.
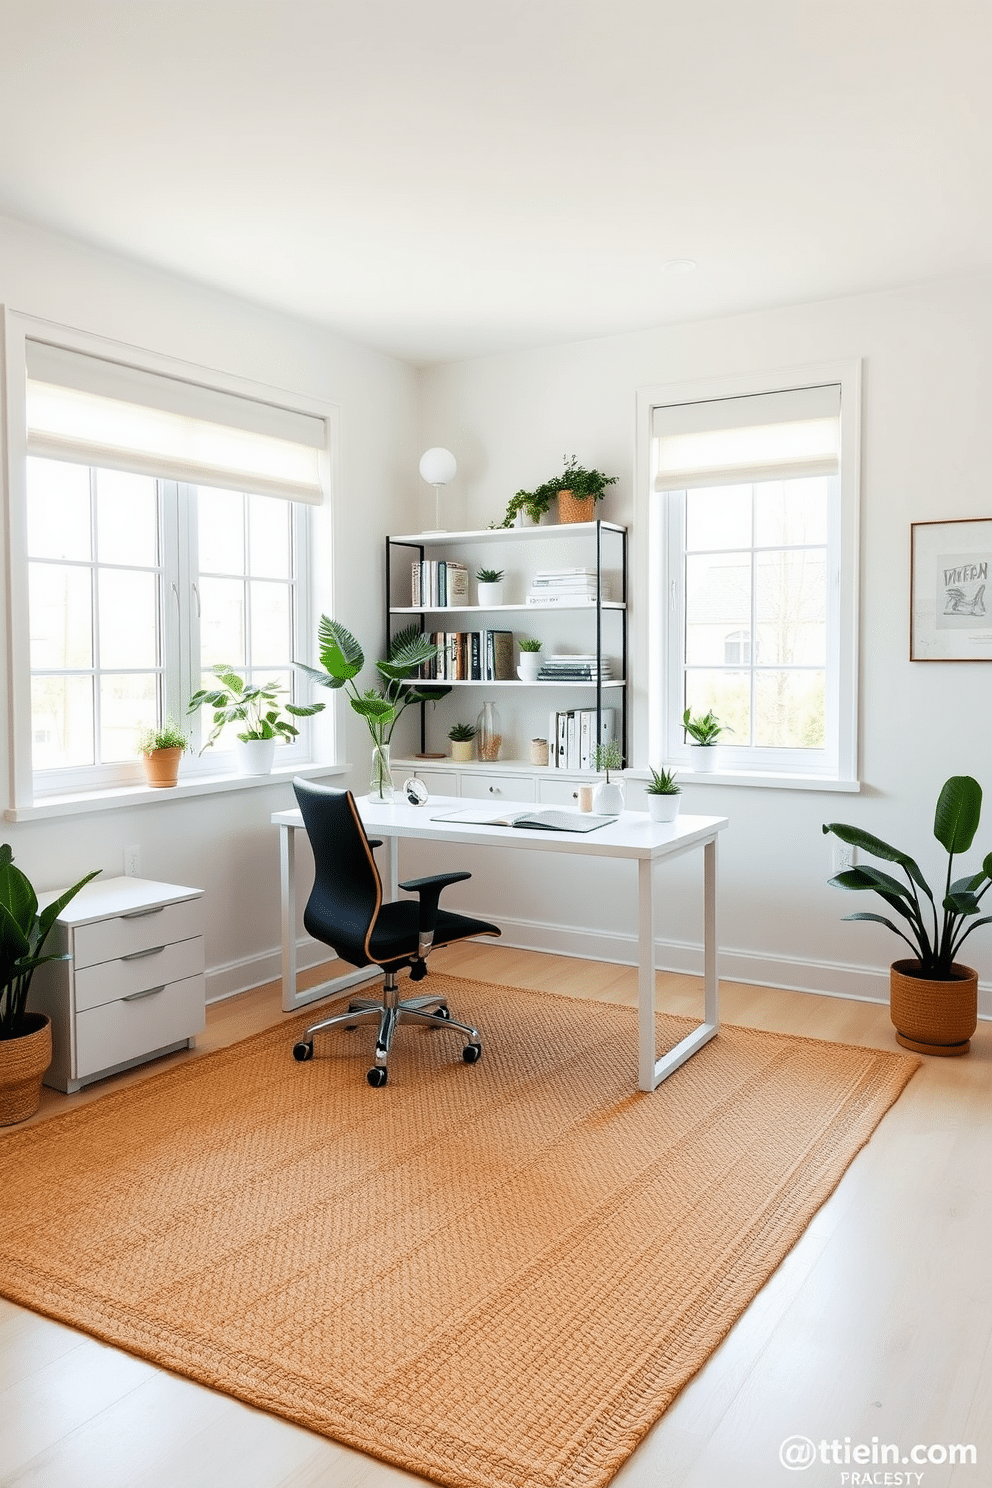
489,575
662,783
530,646
343,659
607,757
23,932
461,733
168,736
934,935
705,729
252,703
575,478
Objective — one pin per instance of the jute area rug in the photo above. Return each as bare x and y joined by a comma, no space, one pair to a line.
490,1275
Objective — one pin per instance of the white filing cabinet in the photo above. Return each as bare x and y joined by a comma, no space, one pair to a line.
133,986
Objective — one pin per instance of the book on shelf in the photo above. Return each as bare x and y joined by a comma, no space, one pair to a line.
436,584
470,656
572,737
575,669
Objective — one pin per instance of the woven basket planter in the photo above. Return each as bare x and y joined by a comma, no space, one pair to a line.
933,1017
572,508
23,1061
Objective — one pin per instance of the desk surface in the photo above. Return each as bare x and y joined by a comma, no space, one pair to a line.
632,835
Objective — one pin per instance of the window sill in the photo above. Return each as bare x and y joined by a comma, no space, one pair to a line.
758,779
84,803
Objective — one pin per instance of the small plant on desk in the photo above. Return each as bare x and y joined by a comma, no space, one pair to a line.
662,783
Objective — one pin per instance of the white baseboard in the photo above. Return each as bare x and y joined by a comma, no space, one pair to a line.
828,979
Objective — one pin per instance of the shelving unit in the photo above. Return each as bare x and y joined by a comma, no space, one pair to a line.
602,630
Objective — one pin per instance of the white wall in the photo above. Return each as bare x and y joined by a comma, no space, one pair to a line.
224,843
928,387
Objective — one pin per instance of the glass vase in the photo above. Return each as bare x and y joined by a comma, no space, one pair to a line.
489,733
381,780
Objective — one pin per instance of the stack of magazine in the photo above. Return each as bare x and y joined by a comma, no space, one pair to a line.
575,669
563,586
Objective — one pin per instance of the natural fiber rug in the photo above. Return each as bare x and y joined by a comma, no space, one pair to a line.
491,1275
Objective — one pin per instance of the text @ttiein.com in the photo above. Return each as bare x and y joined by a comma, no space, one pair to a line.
874,1464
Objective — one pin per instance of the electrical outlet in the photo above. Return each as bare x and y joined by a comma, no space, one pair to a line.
845,856
132,862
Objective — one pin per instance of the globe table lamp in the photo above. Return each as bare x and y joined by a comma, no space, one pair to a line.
438,466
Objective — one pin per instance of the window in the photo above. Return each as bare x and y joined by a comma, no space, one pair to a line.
163,526
751,514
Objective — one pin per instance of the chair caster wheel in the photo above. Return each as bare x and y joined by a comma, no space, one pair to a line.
377,1075
303,1051
472,1053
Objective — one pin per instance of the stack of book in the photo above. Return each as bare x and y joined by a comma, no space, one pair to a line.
470,656
572,737
575,669
563,586
437,584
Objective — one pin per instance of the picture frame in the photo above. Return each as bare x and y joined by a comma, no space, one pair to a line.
951,590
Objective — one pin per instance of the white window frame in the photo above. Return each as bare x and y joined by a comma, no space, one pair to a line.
95,787
657,568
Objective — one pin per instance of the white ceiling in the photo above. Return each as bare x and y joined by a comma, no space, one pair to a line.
446,178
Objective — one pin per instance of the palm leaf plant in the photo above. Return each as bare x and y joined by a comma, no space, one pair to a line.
343,659
23,932
935,933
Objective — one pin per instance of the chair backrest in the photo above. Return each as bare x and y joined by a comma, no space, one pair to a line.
347,890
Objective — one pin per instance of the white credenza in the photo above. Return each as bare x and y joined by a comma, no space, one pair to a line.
132,987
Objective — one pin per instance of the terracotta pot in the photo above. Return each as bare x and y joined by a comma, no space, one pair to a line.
933,1017
162,767
572,508
23,1061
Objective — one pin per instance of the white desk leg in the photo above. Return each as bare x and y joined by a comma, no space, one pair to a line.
652,1072
645,975
287,897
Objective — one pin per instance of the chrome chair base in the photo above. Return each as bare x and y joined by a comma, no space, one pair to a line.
391,1010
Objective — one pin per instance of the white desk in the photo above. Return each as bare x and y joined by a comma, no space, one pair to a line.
632,836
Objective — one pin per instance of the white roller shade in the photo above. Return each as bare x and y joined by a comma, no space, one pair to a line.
97,412
727,441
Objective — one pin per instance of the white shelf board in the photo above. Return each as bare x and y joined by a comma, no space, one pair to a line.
516,682
506,534
608,604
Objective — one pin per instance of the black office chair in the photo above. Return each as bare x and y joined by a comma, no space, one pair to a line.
346,912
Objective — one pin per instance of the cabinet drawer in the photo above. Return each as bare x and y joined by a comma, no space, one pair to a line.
497,787
559,792
106,940
152,967
120,1031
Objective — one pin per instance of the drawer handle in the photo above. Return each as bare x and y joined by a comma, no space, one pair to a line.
149,992
140,914
495,790
140,955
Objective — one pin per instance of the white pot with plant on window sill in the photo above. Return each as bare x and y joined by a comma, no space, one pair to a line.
701,735
252,704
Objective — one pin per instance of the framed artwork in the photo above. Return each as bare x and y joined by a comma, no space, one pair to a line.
951,591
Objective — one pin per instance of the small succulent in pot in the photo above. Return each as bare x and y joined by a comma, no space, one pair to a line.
527,644
490,575
461,733
662,783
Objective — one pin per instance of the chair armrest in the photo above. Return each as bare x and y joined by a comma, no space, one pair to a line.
375,842
429,890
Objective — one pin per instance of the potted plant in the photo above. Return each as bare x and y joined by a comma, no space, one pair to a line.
608,796
342,658
663,795
576,490
254,704
703,732
461,736
933,1000
490,592
530,659
25,1038
161,750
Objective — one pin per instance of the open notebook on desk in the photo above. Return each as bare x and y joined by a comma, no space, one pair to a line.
547,821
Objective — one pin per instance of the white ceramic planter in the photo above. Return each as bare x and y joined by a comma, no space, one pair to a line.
664,808
703,757
490,595
608,798
530,665
255,756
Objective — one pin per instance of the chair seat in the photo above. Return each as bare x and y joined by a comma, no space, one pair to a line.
395,933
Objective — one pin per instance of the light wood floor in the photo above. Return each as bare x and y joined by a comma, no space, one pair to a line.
878,1323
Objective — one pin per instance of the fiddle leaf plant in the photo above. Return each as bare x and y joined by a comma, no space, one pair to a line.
934,933
343,659
23,932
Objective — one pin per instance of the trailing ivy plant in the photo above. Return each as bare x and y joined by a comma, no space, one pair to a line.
574,477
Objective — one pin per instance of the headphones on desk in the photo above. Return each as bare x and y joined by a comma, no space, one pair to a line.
416,791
